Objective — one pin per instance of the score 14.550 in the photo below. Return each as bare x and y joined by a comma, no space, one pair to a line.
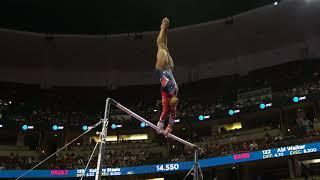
167,167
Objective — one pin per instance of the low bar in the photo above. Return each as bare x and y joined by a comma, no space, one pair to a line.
152,125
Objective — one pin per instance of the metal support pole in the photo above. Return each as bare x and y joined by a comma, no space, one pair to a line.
197,172
103,139
196,165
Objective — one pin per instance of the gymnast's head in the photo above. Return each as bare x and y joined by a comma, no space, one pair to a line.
165,23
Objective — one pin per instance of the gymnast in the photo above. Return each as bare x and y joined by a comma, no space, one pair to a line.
169,87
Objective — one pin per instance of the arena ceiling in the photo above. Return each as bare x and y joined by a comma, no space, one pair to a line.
114,16
266,28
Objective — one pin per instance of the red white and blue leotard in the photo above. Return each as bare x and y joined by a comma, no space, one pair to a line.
169,88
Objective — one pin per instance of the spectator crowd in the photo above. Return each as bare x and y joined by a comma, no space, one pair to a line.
56,112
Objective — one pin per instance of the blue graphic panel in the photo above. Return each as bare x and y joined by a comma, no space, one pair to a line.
167,167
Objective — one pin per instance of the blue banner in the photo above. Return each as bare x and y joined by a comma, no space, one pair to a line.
167,167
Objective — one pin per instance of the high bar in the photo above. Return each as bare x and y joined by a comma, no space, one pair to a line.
118,105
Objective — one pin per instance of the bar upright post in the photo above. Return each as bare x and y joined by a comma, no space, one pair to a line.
103,139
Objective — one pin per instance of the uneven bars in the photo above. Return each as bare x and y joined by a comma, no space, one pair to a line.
152,125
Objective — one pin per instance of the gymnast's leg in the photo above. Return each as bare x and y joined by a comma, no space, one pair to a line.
165,110
173,102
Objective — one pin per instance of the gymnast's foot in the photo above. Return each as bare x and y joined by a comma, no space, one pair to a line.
160,126
168,130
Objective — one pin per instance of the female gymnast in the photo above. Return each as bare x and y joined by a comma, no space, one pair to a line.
169,87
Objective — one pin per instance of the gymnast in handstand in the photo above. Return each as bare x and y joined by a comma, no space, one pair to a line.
169,87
